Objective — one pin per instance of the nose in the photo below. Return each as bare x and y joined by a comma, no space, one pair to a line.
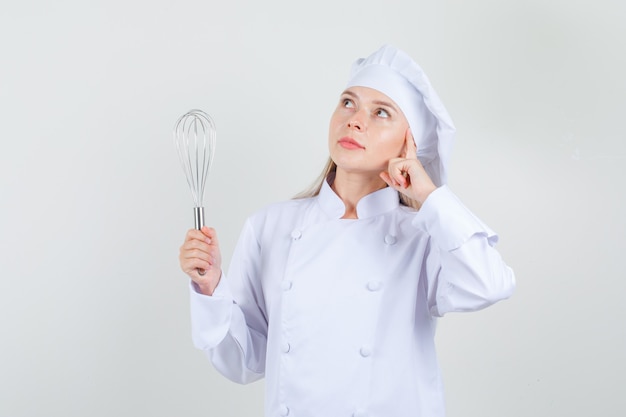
355,124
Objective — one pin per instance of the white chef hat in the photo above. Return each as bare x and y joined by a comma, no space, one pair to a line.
393,73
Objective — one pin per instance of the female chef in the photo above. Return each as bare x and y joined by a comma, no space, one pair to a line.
333,297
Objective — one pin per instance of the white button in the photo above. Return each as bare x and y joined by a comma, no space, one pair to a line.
365,351
296,234
390,239
374,285
286,285
286,347
360,413
284,410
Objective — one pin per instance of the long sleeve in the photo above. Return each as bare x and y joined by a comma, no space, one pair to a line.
234,334
464,271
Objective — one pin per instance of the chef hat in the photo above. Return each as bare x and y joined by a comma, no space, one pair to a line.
395,74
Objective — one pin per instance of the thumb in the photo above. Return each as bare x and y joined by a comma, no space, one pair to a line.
210,233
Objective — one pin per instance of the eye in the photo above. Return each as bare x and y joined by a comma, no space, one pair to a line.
348,103
382,113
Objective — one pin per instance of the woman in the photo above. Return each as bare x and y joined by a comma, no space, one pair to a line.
333,297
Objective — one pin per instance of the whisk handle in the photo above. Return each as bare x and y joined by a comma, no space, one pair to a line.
198,217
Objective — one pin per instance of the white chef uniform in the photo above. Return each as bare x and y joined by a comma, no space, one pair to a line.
338,314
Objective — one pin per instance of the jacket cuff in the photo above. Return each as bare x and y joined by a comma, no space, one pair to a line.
210,315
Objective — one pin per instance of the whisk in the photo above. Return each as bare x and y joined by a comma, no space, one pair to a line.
194,137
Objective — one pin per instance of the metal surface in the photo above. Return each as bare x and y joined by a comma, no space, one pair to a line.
198,217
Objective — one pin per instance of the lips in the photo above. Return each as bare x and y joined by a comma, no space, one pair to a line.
349,143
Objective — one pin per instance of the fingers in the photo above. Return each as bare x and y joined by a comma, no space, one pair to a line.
409,145
197,249
207,234
390,181
397,174
194,259
210,233
200,250
407,175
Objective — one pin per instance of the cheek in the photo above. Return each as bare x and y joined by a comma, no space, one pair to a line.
392,145
332,123
331,128
334,126
399,139
336,120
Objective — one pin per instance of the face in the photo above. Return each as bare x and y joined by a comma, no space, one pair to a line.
367,129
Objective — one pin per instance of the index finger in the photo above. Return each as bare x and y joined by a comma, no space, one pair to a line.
409,145
195,234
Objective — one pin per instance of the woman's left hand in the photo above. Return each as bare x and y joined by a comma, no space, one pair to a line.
407,175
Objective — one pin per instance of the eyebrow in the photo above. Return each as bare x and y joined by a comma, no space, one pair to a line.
377,102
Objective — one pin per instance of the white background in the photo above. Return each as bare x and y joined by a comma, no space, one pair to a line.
93,204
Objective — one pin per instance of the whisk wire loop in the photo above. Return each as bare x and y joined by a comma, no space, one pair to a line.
194,137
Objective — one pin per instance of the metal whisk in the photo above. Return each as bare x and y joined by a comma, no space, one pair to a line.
194,137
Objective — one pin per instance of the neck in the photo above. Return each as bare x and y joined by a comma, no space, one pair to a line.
351,187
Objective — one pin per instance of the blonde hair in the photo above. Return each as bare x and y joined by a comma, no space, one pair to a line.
314,189
331,168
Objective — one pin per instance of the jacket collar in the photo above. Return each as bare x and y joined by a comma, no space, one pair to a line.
371,205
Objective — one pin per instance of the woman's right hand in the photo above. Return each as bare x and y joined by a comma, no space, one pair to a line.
201,252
